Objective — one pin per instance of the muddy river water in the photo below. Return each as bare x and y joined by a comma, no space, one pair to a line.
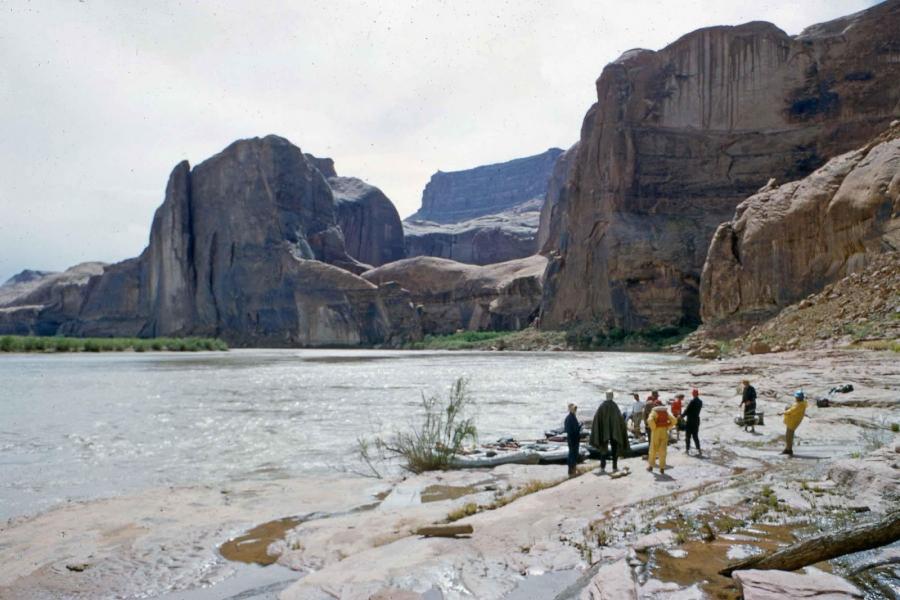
85,426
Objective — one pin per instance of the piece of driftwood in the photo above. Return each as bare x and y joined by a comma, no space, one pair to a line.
444,530
865,536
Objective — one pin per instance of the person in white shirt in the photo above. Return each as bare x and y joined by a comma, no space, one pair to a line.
637,412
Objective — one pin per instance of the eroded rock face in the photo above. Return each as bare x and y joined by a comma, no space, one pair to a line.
482,241
373,233
486,190
789,241
452,295
553,221
484,215
679,137
813,583
244,247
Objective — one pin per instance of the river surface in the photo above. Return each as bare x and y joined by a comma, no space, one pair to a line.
83,426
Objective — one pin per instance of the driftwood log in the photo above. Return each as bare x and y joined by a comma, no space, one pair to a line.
865,536
444,530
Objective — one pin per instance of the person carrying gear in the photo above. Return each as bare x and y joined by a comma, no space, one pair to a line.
748,402
573,437
608,430
659,423
793,416
692,421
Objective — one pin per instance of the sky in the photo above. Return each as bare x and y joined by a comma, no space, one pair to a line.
101,99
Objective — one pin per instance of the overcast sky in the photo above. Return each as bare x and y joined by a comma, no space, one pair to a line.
100,99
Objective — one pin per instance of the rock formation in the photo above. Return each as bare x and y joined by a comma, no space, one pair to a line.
481,241
244,247
787,242
453,296
373,233
679,137
553,212
486,190
484,215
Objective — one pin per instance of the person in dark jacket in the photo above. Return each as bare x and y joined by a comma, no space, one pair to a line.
608,432
748,402
692,421
573,437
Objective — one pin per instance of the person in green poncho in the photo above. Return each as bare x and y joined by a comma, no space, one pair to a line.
609,432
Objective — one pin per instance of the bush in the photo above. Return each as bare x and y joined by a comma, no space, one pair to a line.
431,446
18,343
599,336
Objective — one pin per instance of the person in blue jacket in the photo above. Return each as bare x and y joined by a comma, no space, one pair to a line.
573,436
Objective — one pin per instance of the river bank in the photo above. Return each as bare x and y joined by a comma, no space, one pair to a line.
354,537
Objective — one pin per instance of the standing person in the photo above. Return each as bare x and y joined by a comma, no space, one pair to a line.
637,415
676,405
608,430
573,437
652,400
793,416
748,402
659,423
692,421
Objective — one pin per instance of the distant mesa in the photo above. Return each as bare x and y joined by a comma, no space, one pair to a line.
485,215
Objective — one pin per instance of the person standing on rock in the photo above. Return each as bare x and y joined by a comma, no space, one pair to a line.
692,421
652,401
748,402
608,432
659,423
573,437
793,416
636,415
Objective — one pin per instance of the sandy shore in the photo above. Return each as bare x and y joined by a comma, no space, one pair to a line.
353,537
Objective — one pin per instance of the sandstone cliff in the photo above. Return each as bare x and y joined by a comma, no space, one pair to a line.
552,222
679,137
373,233
484,215
453,296
481,241
244,247
789,241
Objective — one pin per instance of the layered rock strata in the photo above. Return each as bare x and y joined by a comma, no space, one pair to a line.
787,242
245,247
679,137
482,241
452,296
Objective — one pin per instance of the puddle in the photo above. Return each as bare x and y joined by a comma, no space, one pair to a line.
699,561
436,493
251,547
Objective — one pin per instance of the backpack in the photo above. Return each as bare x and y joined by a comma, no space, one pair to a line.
662,418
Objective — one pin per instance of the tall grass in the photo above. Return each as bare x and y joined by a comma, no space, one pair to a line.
461,340
431,445
21,343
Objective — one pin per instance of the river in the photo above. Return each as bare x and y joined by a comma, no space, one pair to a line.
83,426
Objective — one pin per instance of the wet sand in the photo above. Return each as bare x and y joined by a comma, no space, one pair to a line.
166,540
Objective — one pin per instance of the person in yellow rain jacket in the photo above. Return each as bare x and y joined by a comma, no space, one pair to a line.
793,416
659,423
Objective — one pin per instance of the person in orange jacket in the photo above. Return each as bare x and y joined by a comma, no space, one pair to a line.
659,423
793,416
676,404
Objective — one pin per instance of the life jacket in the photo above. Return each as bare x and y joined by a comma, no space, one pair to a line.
662,418
676,407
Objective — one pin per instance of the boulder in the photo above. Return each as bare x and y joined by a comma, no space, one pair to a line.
614,581
788,242
373,233
245,247
679,137
813,583
453,296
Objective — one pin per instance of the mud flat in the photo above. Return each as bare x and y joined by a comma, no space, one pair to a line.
592,536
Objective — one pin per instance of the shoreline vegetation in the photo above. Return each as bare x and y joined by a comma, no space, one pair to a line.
585,337
48,344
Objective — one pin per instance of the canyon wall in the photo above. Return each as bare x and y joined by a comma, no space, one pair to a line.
679,137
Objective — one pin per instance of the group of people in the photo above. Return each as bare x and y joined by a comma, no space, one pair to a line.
609,429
